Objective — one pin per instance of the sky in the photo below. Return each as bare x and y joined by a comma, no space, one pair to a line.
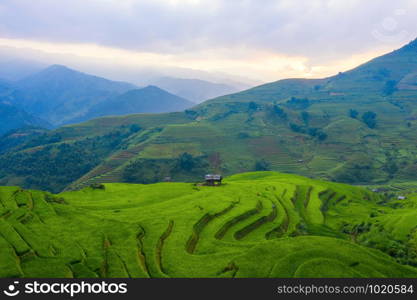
249,41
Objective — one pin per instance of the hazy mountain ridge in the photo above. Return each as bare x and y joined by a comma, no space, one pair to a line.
12,117
59,94
150,99
195,90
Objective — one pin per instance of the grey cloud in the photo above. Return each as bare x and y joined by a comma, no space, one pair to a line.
318,29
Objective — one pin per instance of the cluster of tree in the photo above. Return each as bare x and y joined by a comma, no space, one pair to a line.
55,166
353,113
253,106
355,172
390,87
17,137
376,236
391,166
243,135
305,116
134,128
192,114
146,171
381,74
233,108
278,111
313,132
298,103
262,165
369,117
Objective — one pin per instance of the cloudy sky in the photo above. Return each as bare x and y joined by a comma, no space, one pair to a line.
260,40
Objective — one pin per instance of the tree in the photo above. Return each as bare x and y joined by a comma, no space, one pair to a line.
262,165
253,106
322,136
134,128
369,118
353,113
390,87
313,131
186,161
296,128
279,112
305,116
297,103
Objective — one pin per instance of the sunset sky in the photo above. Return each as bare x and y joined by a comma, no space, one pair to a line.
241,39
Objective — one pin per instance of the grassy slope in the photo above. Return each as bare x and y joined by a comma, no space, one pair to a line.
261,224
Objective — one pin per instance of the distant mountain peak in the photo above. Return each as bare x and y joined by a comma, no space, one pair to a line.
152,87
58,68
411,45
196,90
58,93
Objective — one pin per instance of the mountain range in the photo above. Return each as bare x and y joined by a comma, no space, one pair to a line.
150,99
58,95
195,90
355,127
12,117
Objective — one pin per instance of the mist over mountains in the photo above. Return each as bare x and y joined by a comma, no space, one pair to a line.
150,99
58,95
195,90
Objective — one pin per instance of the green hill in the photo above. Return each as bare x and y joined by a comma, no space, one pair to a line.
357,127
262,224
15,137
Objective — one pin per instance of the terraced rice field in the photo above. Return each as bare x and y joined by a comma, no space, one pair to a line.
262,224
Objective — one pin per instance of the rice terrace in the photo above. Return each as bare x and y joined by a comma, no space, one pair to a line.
216,140
261,224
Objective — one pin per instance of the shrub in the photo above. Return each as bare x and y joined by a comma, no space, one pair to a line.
97,186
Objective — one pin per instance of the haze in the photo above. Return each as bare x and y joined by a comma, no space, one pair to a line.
216,40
